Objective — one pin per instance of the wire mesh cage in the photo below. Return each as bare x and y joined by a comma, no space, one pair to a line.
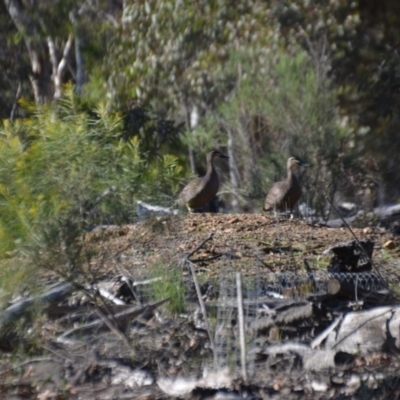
285,287
299,285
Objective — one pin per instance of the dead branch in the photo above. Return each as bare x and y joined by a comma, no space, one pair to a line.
365,331
324,334
130,313
284,314
241,325
26,362
113,326
199,246
54,295
198,291
315,360
203,307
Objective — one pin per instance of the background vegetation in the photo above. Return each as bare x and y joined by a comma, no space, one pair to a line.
107,102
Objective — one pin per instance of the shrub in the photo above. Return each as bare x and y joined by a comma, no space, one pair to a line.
284,105
64,171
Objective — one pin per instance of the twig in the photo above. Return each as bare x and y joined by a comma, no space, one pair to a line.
15,104
241,325
199,246
324,334
203,309
132,312
124,274
207,259
59,354
356,239
264,263
114,327
198,291
355,289
310,275
112,322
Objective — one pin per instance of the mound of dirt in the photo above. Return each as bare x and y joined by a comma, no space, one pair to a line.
240,241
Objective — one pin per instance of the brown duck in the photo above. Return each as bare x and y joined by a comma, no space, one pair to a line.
284,195
200,191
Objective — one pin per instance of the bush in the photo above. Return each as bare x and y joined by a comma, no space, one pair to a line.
64,171
283,106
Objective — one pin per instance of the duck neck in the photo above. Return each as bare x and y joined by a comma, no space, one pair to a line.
210,168
291,176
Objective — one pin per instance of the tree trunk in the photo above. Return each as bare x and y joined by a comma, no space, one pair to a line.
233,170
190,128
40,75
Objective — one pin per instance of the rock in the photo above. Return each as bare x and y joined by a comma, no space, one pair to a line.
319,386
362,332
131,378
390,244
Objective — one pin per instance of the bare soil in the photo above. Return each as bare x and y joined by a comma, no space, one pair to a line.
242,240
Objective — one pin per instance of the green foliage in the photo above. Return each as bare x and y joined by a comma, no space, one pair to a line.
301,106
170,177
284,106
168,283
172,53
176,55
63,171
157,134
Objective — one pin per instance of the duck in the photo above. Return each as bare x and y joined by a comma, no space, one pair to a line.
200,191
284,195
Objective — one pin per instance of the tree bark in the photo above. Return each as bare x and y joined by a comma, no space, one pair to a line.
190,128
80,70
41,69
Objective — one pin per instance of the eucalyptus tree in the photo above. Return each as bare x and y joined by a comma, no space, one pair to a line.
60,38
172,54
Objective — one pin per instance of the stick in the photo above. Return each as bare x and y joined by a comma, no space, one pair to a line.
199,246
54,294
321,337
203,308
125,278
132,312
241,325
198,291
114,327
310,275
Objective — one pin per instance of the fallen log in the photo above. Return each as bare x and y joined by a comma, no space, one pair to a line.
53,295
285,314
26,307
362,332
312,359
353,290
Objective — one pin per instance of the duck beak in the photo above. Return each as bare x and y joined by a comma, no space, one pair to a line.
303,164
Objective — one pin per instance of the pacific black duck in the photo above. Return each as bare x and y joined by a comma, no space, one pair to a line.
200,191
284,195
